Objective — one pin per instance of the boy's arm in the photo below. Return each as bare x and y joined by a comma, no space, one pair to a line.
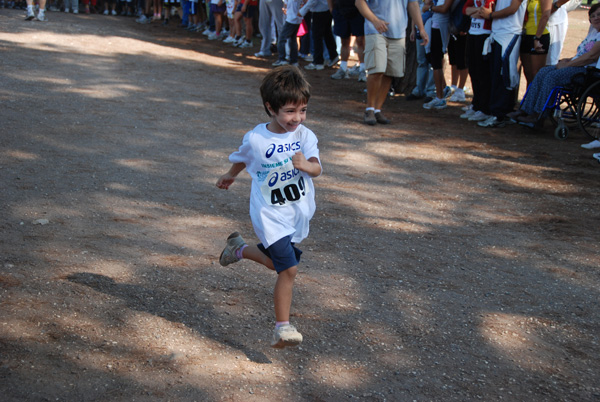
311,166
228,178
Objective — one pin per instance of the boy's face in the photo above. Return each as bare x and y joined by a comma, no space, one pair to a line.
288,118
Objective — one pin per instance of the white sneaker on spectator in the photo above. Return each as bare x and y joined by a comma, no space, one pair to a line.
67,10
340,74
280,63
246,44
239,41
458,96
354,71
333,62
105,12
478,116
492,121
467,107
229,39
447,92
312,66
306,57
362,76
591,145
467,114
435,104
262,54
206,32
41,17
213,36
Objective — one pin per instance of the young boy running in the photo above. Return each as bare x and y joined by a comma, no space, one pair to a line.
282,157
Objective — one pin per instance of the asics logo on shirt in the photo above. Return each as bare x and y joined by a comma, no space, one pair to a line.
291,147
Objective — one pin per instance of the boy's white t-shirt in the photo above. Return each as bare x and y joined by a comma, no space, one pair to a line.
282,199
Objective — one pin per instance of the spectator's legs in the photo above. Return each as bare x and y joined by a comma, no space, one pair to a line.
321,32
288,35
378,86
425,82
479,71
501,99
264,26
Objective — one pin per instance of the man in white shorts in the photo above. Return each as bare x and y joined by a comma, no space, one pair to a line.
385,32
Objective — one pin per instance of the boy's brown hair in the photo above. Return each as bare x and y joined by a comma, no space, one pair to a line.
283,85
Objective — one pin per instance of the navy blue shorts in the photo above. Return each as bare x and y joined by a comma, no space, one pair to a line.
345,28
283,253
250,10
216,9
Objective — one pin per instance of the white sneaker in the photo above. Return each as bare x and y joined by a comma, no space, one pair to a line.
75,11
246,44
340,74
467,107
331,63
591,145
41,17
30,15
467,114
113,12
286,335
458,96
105,12
213,36
67,10
312,66
306,57
596,156
354,71
435,104
229,39
478,116
206,32
362,76
280,63
491,121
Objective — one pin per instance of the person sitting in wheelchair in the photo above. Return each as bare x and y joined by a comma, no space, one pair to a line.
550,77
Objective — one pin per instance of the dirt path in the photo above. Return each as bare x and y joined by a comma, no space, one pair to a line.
445,262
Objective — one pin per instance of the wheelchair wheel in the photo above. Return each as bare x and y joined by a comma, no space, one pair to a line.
561,132
588,111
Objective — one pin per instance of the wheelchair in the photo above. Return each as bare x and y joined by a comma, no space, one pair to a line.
575,105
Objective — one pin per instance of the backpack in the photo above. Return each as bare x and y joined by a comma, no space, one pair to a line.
459,22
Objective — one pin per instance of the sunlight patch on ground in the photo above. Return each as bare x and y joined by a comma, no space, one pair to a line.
78,44
18,154
524,340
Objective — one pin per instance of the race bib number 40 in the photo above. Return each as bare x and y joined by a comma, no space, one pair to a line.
283,186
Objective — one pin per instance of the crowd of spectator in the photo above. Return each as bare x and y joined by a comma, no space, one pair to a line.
486,41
